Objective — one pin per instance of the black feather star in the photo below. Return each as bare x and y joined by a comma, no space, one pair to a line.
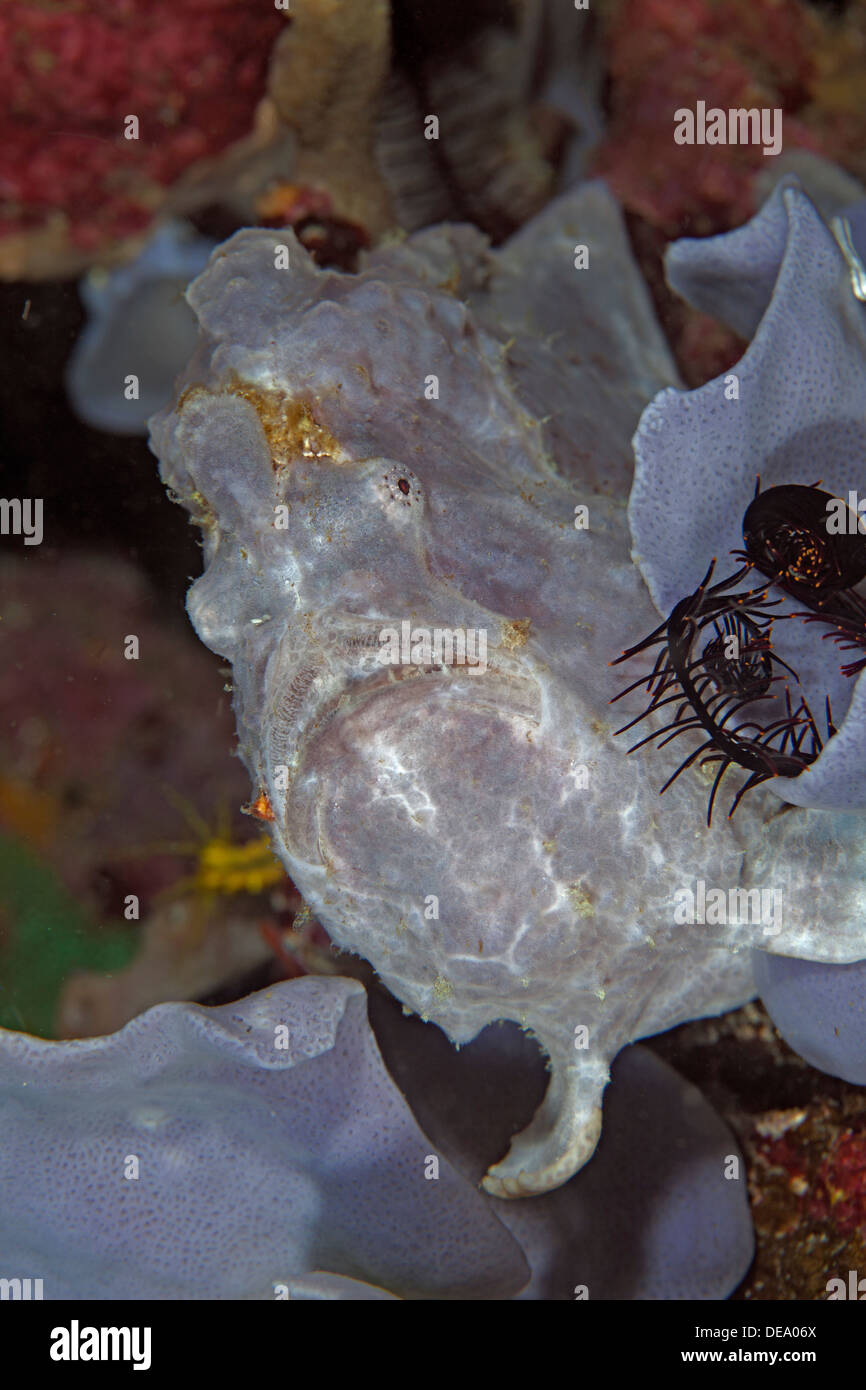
790,541
734,669
813,546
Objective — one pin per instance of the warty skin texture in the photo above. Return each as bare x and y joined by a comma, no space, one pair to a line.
391,784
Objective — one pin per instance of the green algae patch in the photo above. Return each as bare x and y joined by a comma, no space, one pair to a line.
45,935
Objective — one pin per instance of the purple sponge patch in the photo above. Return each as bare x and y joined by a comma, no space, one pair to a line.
820,1010
231,1153
791,411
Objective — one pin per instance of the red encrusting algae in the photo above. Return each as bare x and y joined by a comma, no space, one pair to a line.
73,71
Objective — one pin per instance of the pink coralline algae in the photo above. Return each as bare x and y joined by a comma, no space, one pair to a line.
191,71
666,57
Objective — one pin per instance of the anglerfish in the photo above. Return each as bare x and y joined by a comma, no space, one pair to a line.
411,484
